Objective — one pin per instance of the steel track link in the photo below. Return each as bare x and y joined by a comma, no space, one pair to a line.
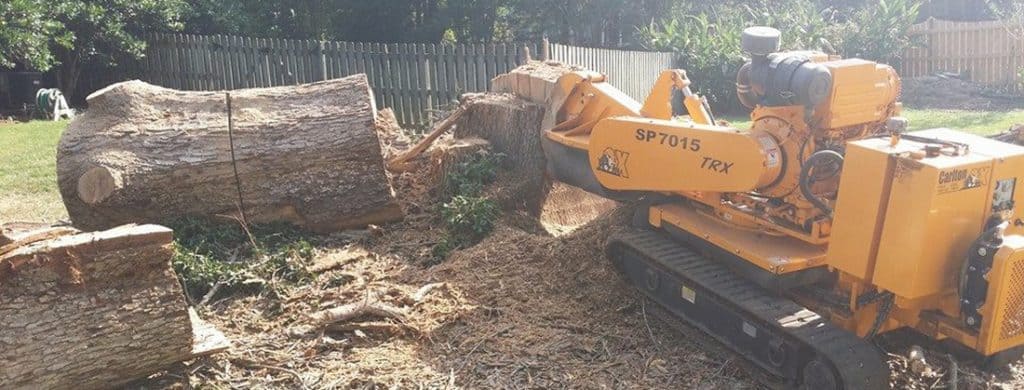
782,338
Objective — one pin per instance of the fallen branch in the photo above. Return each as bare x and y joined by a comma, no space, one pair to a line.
421,294
368,307
398,164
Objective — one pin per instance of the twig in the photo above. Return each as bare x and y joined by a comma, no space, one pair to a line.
479,343
252,364
210,294
643,310
423,291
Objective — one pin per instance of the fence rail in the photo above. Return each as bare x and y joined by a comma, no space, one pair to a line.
412,79
987,52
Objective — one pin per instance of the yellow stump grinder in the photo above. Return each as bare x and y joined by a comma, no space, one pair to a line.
822,225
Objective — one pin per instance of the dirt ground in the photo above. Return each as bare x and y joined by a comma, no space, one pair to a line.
521,309
950,92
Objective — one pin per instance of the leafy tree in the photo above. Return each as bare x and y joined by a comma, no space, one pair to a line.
106,33
26,34
879,31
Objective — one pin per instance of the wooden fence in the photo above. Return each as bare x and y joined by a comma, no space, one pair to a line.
412,79
986,52
415,80
634,72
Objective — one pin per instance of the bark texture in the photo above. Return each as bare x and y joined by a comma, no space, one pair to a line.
513,126
91,310
306,154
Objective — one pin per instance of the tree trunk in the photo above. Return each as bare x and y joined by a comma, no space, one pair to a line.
91,310
512,126
306,154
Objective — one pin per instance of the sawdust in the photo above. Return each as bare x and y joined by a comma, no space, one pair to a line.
521,309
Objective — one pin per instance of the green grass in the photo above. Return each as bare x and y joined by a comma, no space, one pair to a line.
28,173
977,122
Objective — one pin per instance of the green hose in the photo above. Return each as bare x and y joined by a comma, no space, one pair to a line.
46,98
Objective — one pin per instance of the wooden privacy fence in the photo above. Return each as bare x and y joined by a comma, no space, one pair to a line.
412,79
986,52
634,72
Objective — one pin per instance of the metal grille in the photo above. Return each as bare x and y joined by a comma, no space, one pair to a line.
1013,317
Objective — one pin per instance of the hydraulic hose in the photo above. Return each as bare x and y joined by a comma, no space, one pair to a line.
817,158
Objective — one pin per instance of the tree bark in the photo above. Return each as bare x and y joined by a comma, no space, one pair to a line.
514,121
306,154
91,310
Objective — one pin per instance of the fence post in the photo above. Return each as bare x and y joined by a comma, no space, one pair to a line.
323,62
545,50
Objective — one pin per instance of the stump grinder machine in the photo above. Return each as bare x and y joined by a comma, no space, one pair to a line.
824,224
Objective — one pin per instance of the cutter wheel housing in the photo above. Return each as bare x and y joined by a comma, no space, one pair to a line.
788,341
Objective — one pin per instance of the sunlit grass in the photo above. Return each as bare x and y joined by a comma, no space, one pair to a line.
28,174
977,122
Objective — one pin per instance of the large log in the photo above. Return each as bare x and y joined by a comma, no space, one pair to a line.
306,154
91,310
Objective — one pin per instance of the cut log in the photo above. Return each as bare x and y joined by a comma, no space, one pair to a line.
306,154
92,310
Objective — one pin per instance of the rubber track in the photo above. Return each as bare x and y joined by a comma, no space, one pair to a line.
859,364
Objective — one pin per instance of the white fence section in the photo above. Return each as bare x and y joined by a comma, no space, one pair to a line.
634,72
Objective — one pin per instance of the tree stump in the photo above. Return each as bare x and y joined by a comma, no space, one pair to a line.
306,154
513,126
91,310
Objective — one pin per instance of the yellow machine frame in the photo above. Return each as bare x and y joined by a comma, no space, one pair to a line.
887,207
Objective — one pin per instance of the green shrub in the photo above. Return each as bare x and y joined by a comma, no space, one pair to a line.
211,253
707,38
878,32
470,176
471,217
468,215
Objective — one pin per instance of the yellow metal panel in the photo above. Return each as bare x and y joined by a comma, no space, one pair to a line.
670,156
931,220
860,208
775,254
1003,326
861,92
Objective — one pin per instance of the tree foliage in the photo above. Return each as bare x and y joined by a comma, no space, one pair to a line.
707,37
106,32
26,33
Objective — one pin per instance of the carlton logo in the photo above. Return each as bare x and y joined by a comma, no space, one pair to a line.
952,176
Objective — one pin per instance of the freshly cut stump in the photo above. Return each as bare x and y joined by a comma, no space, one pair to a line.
512,125
91,310
306,154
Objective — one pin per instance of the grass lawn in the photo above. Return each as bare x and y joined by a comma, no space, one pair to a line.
28,173
977,122
28,179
